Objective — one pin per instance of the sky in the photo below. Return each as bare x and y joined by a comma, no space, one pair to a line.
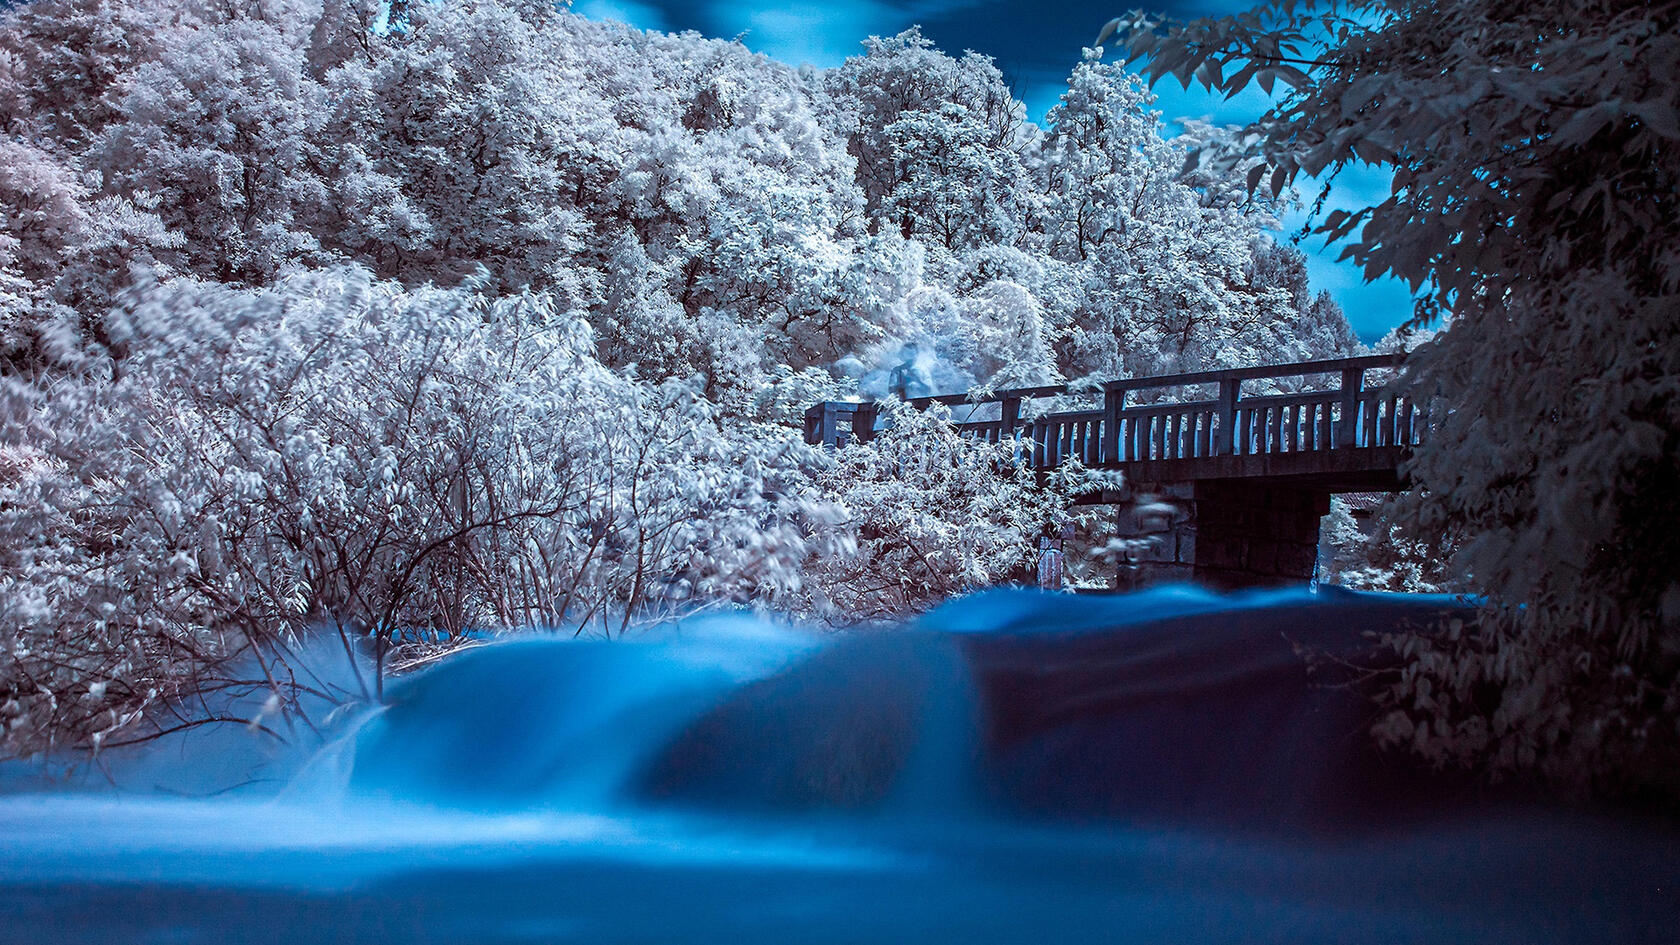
1035,44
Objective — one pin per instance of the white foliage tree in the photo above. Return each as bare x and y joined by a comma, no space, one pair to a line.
934,514
480,314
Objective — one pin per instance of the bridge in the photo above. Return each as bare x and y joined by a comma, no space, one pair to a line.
1247,475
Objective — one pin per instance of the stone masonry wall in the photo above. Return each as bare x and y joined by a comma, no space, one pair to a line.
1224,534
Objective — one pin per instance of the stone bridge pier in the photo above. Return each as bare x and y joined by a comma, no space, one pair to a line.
1224,534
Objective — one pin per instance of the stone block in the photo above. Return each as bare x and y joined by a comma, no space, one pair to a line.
1165,573
1222,552
1224,533
1176,491
1295,525
1294,560
1160,548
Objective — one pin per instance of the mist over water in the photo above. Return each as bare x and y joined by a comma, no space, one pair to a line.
1012,767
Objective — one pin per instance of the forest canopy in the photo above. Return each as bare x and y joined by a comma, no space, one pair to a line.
488,315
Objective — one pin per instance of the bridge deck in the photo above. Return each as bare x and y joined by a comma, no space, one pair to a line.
1345,439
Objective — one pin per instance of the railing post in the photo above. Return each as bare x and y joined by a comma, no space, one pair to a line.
822,422
814,433
863,421
1011,418
1347,432
1226,444
1114,401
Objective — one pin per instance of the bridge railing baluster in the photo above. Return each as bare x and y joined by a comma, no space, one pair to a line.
1173,428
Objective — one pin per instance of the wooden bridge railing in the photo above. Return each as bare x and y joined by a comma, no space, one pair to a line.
1232,424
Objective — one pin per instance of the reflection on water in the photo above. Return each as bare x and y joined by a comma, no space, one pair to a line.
1152,767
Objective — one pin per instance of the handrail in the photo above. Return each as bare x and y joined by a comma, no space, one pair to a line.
1013,393
1331,366
1326,366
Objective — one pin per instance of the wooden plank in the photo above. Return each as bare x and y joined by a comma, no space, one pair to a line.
1274,424
1353,382
1011,415
1227,441
1114,402
1017,393
1330,366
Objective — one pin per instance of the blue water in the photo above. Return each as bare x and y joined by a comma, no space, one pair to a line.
1014,767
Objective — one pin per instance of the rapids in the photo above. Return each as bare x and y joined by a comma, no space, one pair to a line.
1154,767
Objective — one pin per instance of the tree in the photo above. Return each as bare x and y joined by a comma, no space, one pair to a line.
953,189
932,515
905,78
1173,270
64,256
1535,150
481,314
383,463
1374,556
62,63
224,129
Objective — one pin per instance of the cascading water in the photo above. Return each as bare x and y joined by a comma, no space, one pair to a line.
1014,766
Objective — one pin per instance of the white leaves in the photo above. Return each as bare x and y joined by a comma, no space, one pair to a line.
502,320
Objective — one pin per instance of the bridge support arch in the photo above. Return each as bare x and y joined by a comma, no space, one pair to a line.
1224,534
